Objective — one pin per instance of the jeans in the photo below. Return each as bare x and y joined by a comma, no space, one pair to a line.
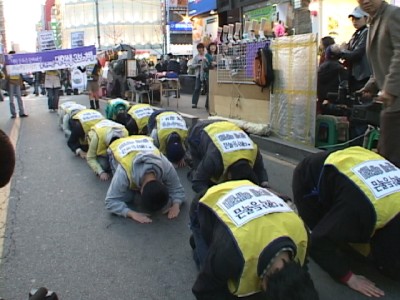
52,97
15,89
196,92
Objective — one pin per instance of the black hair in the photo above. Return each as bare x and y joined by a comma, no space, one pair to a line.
76,126
174,149
327,41
241,170
209,46
292,282
131,125
154,195
121,117
114,138
7,159
200,45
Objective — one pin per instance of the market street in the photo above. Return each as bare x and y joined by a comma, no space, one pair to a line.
59,235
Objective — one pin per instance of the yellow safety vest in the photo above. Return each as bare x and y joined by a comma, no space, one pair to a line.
141,114
52,72
67,104
167,123
15,77
74,107
125,150
87,118
101,129
233,144
255,218
376,177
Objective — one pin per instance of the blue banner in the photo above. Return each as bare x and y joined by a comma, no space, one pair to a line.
50,60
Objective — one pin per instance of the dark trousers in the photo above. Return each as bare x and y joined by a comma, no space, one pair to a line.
389,142
53,96
200,250
196,92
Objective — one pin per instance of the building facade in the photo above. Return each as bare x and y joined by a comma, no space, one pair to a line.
134,22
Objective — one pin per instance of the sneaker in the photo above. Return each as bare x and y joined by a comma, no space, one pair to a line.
194,106
13,117
23,116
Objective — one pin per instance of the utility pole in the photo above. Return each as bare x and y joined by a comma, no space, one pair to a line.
97,23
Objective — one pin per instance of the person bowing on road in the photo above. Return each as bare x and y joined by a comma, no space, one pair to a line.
221,151
351,198
79,125
145,176
248,244
169,131
100,136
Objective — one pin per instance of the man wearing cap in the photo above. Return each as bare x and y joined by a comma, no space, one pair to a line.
383,52
221,151
169,131
354,51
350,199
100,136
80,124
141,170
252,245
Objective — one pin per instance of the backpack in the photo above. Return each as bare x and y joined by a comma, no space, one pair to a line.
263,73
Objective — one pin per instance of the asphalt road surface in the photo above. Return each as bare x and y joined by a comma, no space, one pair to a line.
57,233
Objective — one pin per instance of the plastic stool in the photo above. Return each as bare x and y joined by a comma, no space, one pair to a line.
331,130
373,139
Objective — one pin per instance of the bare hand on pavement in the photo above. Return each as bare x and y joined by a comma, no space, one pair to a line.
173,211
104,176
364,286
181,163
82,154
139,217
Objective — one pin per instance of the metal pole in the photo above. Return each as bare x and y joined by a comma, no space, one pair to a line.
97,23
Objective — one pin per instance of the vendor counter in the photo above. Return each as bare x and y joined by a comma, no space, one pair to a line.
245,102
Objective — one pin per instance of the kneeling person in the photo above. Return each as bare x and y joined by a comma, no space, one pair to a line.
137,118
115,107
248,242
143,171
222,151
350,200
66,112
80,125
100,137
169,132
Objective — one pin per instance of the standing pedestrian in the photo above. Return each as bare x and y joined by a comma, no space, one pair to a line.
354,53
383,52
38,83
14,82
93,75
52,83
200,66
